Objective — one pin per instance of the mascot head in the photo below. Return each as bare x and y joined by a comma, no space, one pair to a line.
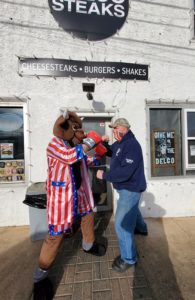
69,127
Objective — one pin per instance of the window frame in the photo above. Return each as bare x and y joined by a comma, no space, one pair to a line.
194,19
23,104
188,166
166,104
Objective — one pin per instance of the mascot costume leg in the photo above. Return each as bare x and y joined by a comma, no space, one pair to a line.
69,195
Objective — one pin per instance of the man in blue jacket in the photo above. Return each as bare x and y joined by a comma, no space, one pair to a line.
128,179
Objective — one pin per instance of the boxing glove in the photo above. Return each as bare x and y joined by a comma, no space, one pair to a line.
92,139
100,150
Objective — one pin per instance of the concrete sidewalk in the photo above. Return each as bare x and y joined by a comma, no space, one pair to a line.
165,269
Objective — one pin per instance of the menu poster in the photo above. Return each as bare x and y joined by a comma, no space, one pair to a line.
12,171
7,150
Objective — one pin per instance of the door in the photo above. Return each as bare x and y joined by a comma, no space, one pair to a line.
101,189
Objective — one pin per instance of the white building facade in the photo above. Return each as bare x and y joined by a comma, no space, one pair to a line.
154,49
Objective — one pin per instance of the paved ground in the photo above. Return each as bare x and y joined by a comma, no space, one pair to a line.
165,269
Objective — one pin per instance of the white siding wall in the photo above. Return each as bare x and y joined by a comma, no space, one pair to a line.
158,33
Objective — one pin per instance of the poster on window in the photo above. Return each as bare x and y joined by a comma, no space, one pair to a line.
11,171
163,148
7,150
192,150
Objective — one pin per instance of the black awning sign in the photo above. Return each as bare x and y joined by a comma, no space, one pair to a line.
92,20
77,68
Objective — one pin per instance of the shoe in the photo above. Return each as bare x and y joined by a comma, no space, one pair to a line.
43,290
136,231
119,265
96,249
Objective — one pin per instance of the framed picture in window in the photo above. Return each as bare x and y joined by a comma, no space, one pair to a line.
6,150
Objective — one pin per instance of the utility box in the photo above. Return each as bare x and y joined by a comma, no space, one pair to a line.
36,199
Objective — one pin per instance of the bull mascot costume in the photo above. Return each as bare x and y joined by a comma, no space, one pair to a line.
69,195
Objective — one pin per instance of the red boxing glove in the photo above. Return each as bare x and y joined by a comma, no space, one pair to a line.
100,150
92,139
94,136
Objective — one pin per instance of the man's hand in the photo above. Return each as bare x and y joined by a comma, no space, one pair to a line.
105,138
99,174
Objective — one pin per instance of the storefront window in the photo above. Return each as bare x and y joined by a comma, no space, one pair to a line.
194,18
11,145
190,138
165,136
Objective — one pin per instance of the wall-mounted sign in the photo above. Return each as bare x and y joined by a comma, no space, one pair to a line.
163,149
91,20
77,68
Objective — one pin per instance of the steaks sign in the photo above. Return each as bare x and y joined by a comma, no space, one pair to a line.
91,20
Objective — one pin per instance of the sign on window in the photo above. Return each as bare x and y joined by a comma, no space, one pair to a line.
163,149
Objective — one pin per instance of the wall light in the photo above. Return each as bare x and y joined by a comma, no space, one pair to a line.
89,88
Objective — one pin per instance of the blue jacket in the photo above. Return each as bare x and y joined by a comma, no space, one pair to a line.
126,165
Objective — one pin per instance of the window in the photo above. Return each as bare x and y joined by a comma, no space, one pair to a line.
194,18
12,160
172,141
190,139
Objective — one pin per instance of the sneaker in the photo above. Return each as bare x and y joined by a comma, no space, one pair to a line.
136,231
43,290
96,249
119,265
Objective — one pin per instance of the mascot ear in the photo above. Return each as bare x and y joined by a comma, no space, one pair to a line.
74,118
63,128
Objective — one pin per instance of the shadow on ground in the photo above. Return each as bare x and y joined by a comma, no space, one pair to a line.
154,258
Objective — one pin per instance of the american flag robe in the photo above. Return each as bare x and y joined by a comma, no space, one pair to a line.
64,202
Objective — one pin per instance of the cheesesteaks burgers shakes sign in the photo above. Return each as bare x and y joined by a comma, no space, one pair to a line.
92,20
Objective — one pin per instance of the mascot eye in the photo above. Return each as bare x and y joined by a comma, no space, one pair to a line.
76,127
65,126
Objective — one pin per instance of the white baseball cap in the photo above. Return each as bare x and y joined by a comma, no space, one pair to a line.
120,122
